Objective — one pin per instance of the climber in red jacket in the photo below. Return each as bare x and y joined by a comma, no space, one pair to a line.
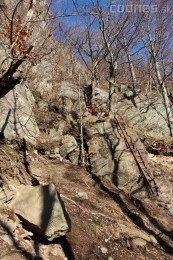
93,108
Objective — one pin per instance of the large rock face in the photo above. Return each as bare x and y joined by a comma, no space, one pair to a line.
42,211
69,90
145,111
111,156
17,118
148,115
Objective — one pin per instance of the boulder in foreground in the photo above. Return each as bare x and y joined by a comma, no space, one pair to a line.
42,210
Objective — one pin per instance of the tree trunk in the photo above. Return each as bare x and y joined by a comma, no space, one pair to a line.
81,126
111,83
7,80
132,70
150,76
93,84
162,86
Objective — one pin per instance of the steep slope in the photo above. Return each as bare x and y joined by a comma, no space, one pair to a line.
105,222
45,124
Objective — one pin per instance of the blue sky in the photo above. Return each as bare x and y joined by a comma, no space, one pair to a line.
66,7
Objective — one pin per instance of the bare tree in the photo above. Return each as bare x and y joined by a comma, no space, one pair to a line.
19,27
86,42
129,39
119,32
158,39
110,29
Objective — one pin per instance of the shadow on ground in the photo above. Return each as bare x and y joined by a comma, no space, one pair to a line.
136,219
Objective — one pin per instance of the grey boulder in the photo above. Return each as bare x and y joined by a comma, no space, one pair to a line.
42,211
69,144
17,117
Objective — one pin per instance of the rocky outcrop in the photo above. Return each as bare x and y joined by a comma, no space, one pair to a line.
69,144
17,117
68,90
42,211
59,130
149,115
111,156
143,111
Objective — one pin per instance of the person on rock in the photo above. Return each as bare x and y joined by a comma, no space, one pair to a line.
92,107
